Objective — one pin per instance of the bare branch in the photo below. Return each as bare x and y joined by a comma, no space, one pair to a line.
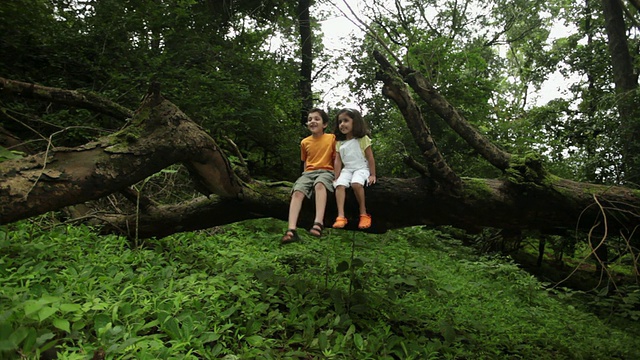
366,29
82,99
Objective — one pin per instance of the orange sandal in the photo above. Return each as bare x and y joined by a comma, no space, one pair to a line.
365,221
340,223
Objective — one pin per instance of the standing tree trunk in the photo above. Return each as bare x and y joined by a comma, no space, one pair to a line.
626,82
306,46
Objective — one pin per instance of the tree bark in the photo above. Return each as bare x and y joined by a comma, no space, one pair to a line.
160,135
626,81
395,89
496,156
83,99
562,206
306,66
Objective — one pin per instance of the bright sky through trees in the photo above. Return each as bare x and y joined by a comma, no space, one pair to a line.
338,29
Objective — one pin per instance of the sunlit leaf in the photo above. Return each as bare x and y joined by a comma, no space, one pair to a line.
45,312
62,324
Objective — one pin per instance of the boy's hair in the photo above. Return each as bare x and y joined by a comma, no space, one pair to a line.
323,114
360,128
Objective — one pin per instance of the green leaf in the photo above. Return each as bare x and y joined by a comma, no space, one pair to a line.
410,280
5,330
7,345
322,340
29,343
45,312
43,338
78,325
172,327
448,332
66,308
48,299
358,341
6,154
356,263
225,314
19,335
31,309
62,324
100,321
255,340
208,337
342,266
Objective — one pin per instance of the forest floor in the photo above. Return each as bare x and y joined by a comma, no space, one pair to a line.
578,274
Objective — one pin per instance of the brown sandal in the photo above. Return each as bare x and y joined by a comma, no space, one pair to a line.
290,236
316,229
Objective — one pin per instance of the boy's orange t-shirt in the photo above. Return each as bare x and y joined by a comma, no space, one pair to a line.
318,153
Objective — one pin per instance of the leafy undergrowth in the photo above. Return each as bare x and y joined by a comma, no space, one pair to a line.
236,293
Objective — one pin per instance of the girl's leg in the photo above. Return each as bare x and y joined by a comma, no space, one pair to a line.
340,198
341,221
365,219
358,190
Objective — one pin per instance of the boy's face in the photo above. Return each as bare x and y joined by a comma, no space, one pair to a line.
315,124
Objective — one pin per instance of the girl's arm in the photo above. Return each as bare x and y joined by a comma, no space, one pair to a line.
368,154
337,166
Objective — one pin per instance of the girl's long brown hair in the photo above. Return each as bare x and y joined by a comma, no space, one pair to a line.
360,128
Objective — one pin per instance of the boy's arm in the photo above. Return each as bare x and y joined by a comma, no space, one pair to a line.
368,154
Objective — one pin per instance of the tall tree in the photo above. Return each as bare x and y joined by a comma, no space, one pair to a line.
306,66
626,82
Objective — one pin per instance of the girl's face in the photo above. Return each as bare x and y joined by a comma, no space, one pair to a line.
345,124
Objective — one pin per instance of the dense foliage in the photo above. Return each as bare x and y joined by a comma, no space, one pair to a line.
235,292
492,60
220,62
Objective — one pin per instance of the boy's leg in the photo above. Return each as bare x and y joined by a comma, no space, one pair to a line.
321,202
294,208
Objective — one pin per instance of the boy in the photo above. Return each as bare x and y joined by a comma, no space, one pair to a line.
317,151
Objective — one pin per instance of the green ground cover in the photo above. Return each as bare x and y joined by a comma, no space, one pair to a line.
235,293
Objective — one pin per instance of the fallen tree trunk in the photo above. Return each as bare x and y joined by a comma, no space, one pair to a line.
160,135
396,203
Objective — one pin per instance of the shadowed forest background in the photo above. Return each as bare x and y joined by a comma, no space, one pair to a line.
147,149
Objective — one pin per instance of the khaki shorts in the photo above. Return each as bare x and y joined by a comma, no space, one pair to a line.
308,180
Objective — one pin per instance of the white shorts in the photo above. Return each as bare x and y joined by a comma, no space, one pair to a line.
347,177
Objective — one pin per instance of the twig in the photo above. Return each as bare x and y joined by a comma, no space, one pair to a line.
361,24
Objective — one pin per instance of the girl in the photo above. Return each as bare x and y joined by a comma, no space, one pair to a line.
354,165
